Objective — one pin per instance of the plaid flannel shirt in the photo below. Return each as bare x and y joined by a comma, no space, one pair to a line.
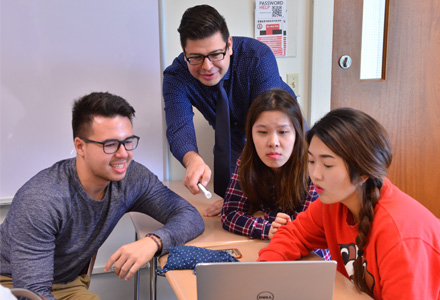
236,219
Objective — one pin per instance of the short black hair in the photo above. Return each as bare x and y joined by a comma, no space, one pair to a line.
97,104
200,22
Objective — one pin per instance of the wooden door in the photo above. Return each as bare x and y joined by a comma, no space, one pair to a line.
407,101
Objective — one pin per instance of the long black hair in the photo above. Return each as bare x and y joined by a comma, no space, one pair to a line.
259,182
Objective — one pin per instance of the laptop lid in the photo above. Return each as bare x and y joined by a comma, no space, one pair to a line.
299,280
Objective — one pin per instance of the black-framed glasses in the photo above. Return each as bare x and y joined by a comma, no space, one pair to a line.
112,146
199,59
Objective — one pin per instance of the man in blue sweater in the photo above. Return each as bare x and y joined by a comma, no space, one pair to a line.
61,216
245,68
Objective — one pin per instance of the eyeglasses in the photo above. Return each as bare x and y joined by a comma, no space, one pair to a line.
199,59
112,146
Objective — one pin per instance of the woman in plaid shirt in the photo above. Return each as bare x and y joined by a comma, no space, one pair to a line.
271,174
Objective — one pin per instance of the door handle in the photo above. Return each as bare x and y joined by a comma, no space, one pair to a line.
345,62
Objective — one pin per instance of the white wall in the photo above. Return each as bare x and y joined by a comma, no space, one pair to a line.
56,51
239,16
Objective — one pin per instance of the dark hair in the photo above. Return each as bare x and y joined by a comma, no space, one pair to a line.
200,22
97,104
287,189
364,146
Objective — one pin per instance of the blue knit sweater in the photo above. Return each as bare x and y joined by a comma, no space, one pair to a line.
54,227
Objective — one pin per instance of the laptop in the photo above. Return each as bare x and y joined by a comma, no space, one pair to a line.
281,280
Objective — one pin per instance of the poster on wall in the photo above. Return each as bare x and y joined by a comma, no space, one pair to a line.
271,25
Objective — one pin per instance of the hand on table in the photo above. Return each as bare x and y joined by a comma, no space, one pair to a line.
129,258
281,219
214,209
196,171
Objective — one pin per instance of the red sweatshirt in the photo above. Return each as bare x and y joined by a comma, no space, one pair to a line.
402,256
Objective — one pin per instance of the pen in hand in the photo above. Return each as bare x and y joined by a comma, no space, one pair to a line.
204,190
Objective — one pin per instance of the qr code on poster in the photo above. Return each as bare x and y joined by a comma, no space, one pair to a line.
277,11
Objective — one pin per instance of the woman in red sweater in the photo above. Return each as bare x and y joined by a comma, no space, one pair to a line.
382,239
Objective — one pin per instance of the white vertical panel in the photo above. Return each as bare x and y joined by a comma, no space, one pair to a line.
321,59
373,29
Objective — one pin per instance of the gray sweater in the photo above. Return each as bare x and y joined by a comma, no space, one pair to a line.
54,227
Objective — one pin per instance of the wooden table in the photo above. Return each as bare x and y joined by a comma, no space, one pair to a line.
184,282
214,233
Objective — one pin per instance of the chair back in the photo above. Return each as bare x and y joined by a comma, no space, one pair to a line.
18,292
88,269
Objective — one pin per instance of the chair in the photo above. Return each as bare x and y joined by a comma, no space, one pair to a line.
88,269
17,292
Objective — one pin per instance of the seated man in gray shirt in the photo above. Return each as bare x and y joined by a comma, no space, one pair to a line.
61,216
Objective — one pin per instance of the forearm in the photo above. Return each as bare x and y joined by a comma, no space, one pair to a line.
184,226
181,143
235,217
181,220
245,224
297,238
191,157
179,115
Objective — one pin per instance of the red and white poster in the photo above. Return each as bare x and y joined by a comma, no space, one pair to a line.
271,25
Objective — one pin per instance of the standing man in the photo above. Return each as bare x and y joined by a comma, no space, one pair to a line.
61,216
211,59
